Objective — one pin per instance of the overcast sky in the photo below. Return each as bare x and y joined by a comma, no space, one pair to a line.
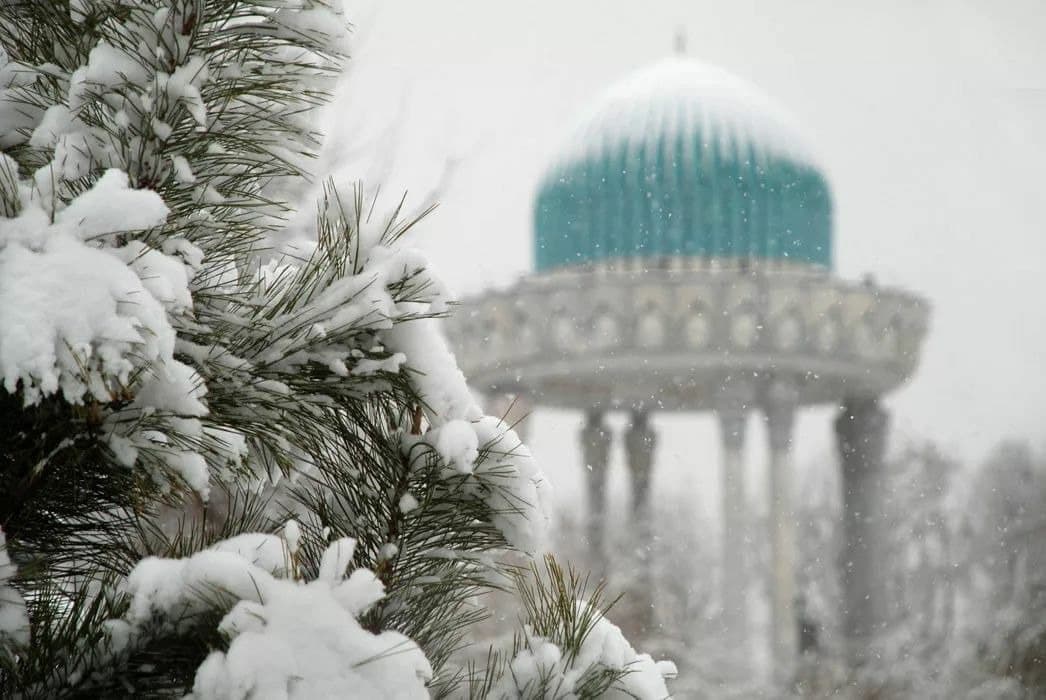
929,117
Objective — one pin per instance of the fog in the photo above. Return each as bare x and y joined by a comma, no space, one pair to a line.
927,118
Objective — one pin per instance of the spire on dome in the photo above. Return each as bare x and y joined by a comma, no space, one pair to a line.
680,41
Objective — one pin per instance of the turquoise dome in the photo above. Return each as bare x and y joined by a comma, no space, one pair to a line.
683,159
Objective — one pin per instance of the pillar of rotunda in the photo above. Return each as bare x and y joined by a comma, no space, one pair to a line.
732,413
595,450
780,405
861,435
640,441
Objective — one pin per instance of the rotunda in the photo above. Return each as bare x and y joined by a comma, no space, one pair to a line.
683,247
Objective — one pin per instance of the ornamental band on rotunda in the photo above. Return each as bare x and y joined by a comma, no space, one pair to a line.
683,262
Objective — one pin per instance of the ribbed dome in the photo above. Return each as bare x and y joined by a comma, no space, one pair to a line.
684,159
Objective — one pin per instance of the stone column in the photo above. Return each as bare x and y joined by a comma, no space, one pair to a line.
732,412
861,434
780,405
595,450
640,441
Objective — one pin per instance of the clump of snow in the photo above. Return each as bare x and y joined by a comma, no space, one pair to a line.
267,552
184,85
336,559
437,377
457,442
109,66
111,206
292,536
541,663
161,128
182,170
367,366
178,390
77,318
167,278
57,120
286,638
15,115
190,465
521,503
14,622
408,503
74,318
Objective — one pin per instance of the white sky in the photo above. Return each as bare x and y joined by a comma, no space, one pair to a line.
929,115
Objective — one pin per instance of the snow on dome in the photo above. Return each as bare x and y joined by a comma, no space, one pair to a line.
680,96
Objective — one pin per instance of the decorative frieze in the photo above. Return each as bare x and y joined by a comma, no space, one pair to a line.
619,335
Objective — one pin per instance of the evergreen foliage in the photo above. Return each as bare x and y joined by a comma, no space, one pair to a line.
238,435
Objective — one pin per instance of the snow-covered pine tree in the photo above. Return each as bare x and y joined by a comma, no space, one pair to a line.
157,349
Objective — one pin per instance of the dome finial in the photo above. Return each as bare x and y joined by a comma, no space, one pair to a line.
680,41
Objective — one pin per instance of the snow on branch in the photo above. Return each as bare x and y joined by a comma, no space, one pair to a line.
568,647
14,622
284,637
78,318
